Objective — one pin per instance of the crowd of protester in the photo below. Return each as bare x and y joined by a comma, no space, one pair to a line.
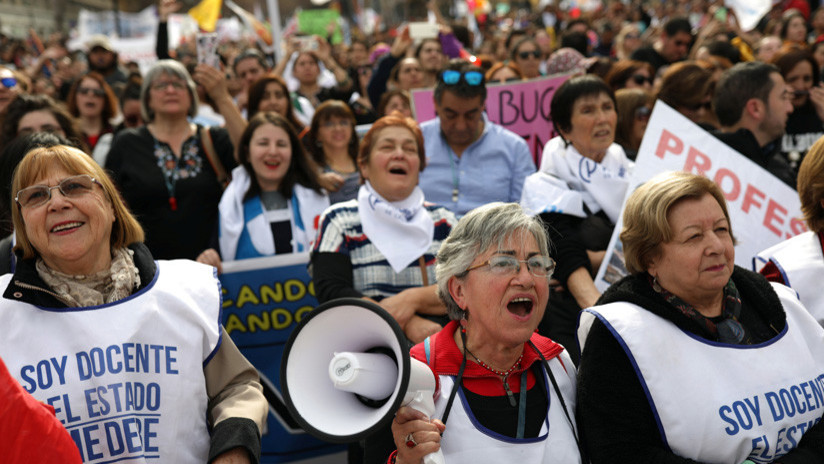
316,149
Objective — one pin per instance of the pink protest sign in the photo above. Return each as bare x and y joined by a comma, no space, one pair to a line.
522,107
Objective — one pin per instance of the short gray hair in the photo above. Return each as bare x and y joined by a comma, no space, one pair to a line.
482,228
169,68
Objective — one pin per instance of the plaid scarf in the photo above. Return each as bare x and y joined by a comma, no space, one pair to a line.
728,330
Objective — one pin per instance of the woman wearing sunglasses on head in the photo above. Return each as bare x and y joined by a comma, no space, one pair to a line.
137,344
505,393
94,104
578,192
691,359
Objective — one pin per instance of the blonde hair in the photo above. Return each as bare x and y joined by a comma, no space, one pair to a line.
645,217
125,230
811,186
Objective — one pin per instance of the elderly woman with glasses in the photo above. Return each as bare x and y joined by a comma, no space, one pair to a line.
690,358
171,171
504,391
130,351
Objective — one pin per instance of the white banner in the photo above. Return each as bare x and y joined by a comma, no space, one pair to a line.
763,209
749,12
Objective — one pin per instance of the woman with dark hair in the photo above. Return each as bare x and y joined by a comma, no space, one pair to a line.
804,125
274,200
688,88
270,93
794,29
94,104
333,144
630,74
28,114
406,75
578,192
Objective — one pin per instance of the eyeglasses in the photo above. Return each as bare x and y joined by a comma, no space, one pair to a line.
70,187
640,79
632,36
534,53
91,91
8,82
502,265
642,113
163,85
331,124
451,77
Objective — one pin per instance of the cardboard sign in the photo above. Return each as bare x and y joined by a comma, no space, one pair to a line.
762,208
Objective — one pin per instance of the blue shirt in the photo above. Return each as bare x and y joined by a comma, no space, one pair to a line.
493,168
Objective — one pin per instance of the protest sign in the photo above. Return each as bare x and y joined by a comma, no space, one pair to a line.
522,107
315,22
763,210
263,301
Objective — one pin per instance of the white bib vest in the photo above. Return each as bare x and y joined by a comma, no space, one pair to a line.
465,440
126,379
801,262
721,403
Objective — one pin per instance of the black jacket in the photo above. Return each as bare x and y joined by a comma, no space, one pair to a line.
768,157
614,416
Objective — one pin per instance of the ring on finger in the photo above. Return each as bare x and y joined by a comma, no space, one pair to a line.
410,441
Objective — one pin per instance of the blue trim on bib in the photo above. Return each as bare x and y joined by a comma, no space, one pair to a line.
504,438
219,318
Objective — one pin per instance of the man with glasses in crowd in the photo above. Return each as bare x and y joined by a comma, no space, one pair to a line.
672,47
470,160
752,103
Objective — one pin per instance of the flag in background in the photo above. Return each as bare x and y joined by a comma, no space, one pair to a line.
263,33
206,13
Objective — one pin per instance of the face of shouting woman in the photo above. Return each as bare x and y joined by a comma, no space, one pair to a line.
270,153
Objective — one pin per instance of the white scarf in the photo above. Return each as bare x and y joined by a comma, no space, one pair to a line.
401,230
310,205
568,180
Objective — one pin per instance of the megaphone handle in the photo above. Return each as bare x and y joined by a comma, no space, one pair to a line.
422,401
434,458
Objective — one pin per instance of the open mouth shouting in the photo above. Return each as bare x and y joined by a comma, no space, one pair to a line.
272,164
520,307
398,170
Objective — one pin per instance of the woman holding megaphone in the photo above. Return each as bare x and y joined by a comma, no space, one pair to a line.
504,390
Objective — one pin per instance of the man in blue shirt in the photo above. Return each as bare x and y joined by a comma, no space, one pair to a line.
471,161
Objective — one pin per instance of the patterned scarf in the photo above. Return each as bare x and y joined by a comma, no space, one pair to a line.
106,286
729,330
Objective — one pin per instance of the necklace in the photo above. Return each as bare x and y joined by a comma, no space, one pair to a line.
493,370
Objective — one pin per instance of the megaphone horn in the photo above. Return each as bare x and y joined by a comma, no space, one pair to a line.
346,370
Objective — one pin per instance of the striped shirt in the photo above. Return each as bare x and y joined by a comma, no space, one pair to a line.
341,231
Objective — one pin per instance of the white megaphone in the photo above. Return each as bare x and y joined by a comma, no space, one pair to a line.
346,370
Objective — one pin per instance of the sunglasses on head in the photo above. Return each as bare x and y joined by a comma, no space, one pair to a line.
90,91
473,78
525,55
8,82
641,79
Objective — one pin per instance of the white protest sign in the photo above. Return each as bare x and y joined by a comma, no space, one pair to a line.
763,210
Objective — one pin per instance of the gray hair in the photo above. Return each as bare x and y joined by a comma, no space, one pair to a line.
482,228
170,68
